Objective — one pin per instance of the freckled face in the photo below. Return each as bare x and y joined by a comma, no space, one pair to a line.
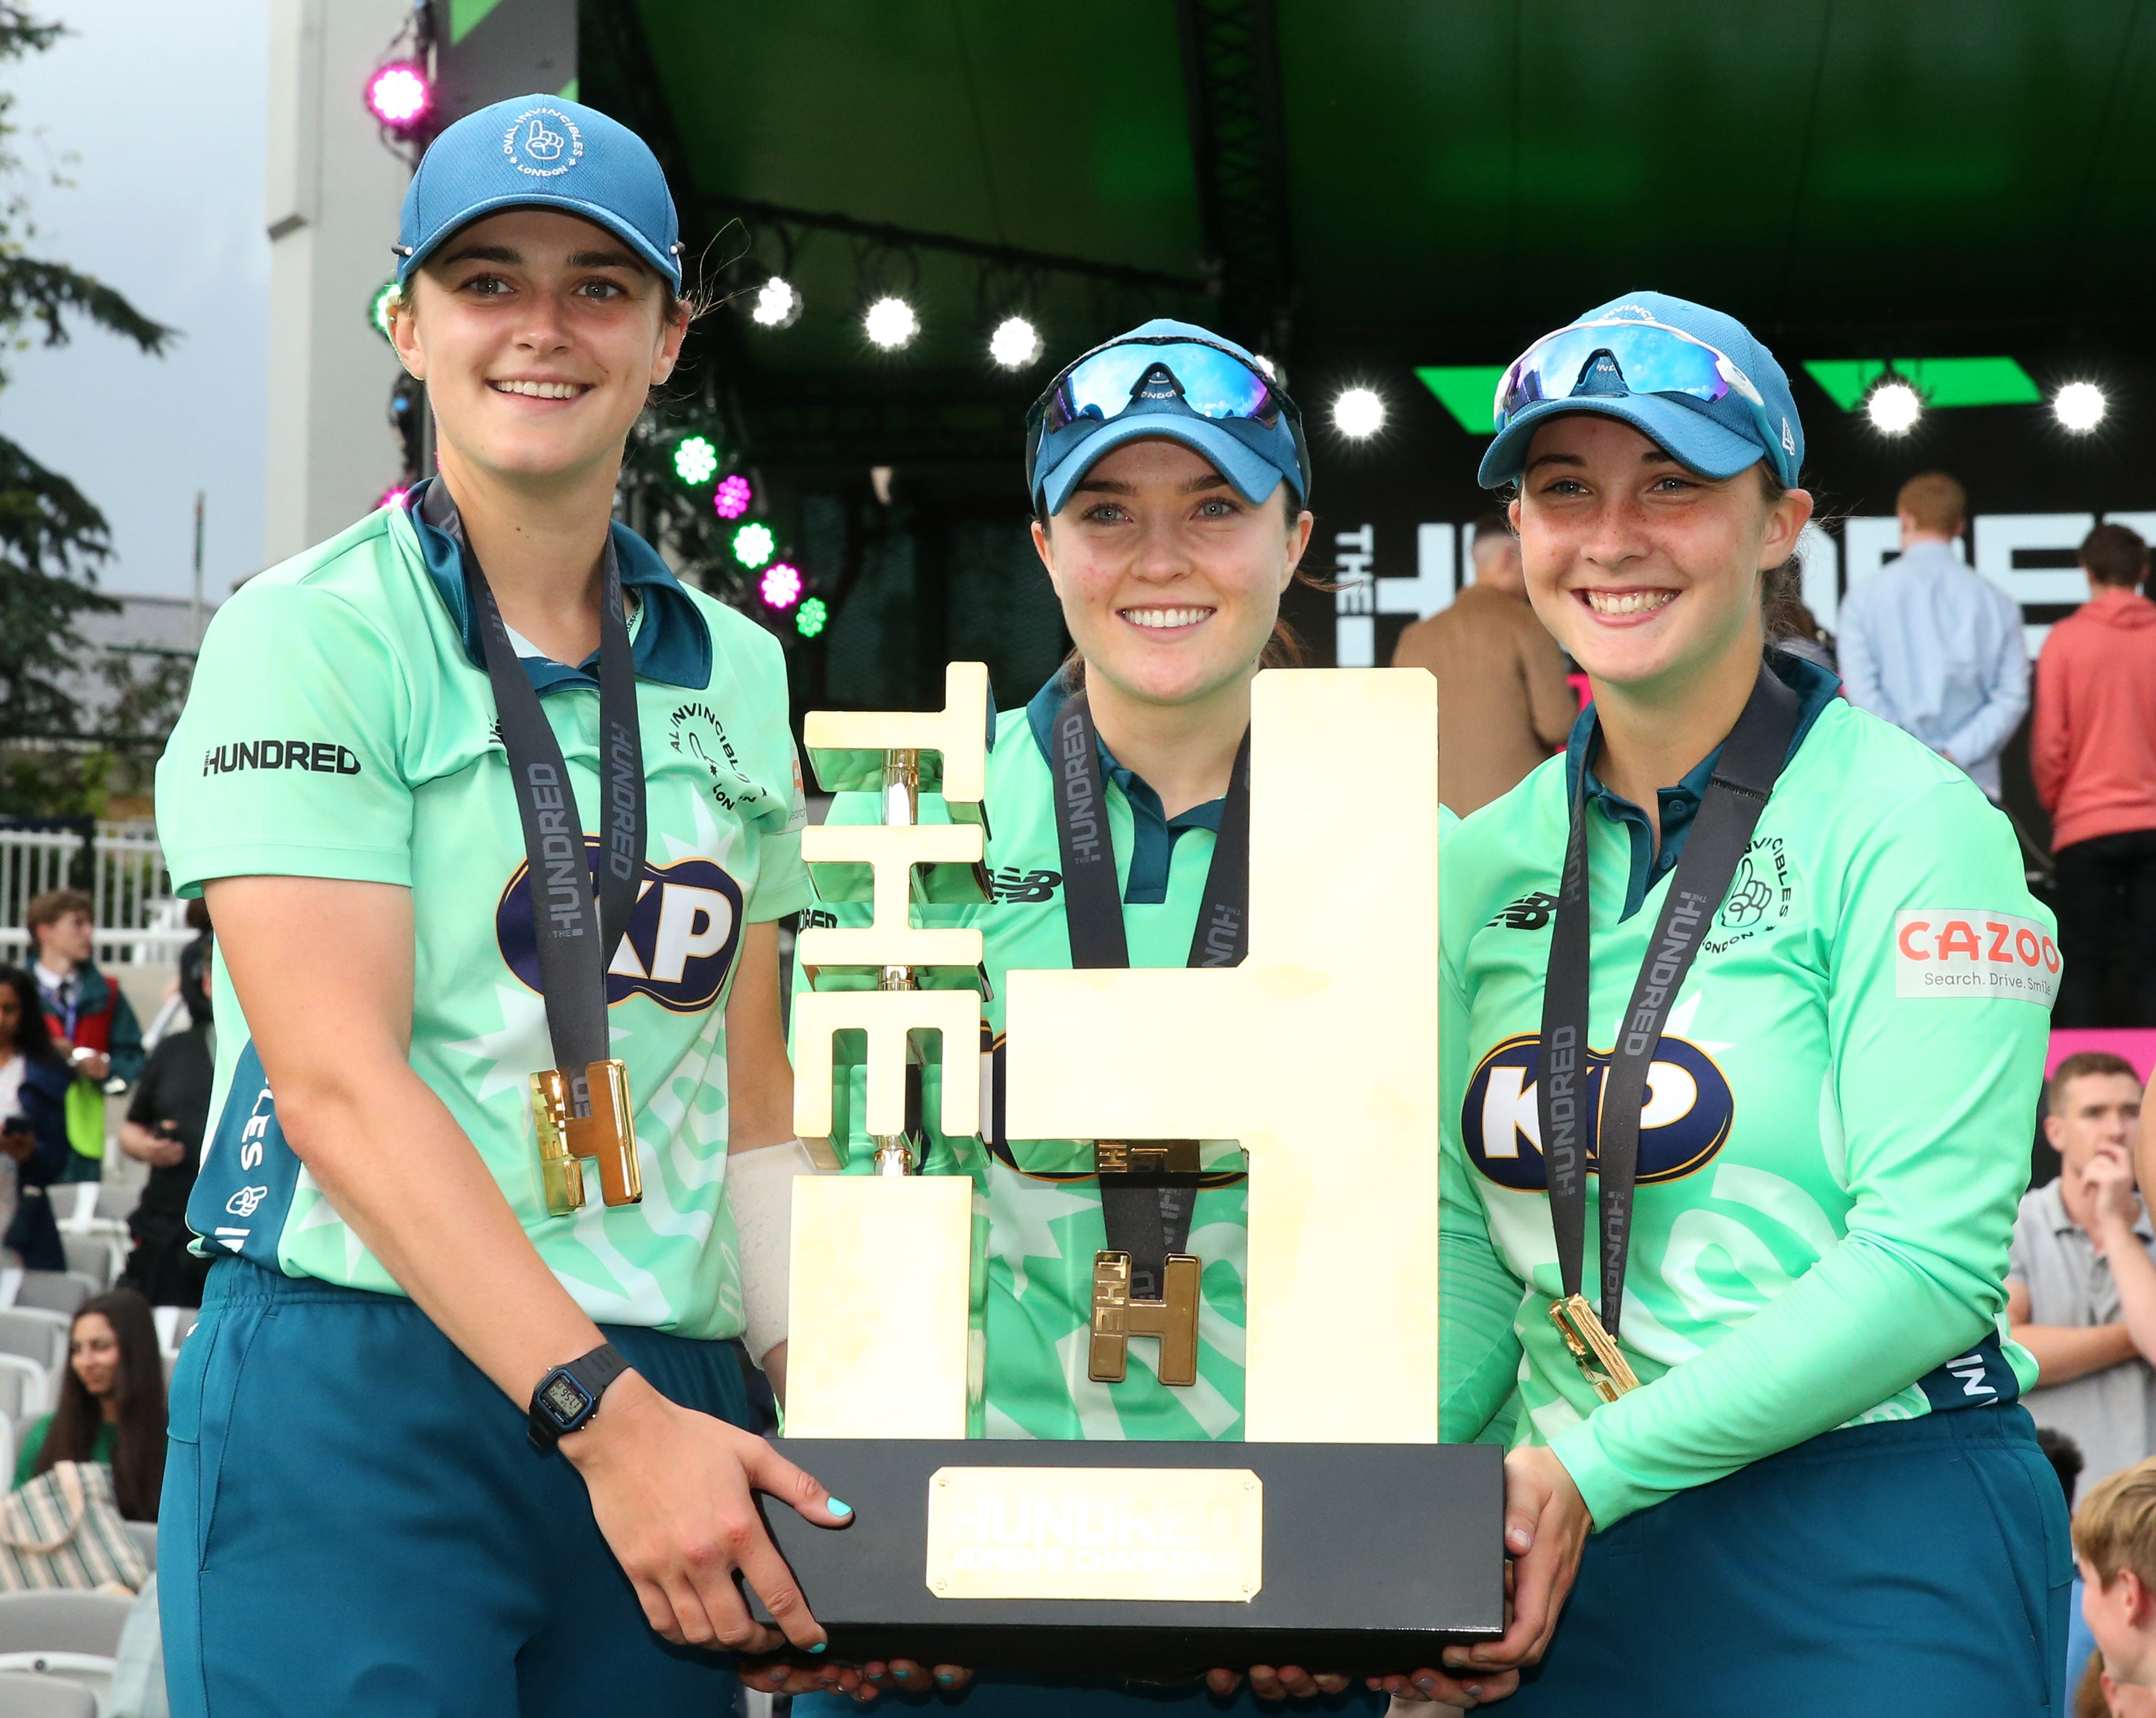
1170,579
1643,569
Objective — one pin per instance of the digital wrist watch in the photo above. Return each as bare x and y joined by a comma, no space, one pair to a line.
568,1396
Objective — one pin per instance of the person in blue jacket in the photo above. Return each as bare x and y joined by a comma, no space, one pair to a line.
33,1087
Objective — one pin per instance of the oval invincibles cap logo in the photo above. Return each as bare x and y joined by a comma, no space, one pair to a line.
681,938
543,142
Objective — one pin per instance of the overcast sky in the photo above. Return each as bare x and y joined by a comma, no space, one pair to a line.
163,106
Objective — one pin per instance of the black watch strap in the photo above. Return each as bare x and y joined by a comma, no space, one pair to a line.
568,1396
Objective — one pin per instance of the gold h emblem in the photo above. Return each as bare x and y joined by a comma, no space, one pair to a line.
566,1138
1117,1318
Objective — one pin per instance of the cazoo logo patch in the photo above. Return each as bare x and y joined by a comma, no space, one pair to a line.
1685,1121
1963,951
681,937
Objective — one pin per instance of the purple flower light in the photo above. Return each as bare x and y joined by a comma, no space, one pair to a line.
782,585
733,497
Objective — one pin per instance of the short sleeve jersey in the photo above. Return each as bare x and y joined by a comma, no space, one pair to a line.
1040,1224
340,725
1835,1129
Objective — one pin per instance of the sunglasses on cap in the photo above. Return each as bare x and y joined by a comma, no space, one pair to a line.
1651,356
1210,380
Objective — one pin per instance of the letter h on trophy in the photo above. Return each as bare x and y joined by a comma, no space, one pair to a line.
1340,1533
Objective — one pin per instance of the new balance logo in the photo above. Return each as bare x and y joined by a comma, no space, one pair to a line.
1529,912
1007,883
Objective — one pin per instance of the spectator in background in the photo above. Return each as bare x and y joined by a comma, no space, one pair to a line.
1502,700
112,1404
164,1129
2115,1552
2081,1284
1931,646
96,1027
34,1088
2093,755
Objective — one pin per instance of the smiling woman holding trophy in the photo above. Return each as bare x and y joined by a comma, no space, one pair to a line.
1170,485
459,1430
1767,970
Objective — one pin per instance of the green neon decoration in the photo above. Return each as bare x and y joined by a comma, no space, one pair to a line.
1467,391
1942,382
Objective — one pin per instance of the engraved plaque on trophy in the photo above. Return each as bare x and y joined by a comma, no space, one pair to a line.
1340,1534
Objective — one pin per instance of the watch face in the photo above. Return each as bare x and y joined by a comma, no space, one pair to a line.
561,1398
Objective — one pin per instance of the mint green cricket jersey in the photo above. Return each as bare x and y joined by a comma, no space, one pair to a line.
1037,1203
1836,1128
340,725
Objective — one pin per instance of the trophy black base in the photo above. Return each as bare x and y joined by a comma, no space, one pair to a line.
1375,1556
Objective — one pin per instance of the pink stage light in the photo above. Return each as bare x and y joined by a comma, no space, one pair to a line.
393,496
782,585
733,497
398,95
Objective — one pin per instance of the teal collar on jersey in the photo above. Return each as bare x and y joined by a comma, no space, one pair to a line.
672,643
1680,804
1153,837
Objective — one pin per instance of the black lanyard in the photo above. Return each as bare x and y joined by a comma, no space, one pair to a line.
573,955
1745,775
1146,1215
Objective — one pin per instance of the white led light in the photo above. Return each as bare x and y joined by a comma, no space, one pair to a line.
776,304
1894,408
2079,406
1266,367
1358,413
1015,343
890,323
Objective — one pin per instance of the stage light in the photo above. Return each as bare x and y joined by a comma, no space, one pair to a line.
1266,367
776,304
393,496
1015,343
696,460
1358,413
782,585
378,308
733,497
811,617
1894,408
890,323
753,544
398,95
2079,406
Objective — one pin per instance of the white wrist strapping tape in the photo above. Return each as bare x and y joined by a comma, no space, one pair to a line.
760,1194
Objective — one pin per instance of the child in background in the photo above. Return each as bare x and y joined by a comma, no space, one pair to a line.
2115,1551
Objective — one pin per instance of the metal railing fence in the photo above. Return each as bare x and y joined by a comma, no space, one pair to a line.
119,866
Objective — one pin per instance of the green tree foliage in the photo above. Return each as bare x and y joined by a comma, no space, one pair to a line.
52,536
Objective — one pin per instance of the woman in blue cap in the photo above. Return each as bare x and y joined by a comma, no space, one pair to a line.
458,1431
1765,971
1170,486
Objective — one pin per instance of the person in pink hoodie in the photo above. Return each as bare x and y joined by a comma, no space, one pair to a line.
2093,753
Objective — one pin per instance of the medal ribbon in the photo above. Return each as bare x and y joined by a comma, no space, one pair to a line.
574,949
1146,1216
1745,775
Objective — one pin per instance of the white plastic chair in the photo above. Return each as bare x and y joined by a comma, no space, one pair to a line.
174,1323
26,1389
35,1693
62,1292
96,1257
115,1201
35,1334
64,1635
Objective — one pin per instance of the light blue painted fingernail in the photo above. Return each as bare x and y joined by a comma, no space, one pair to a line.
837,1508
945,1676
819,1646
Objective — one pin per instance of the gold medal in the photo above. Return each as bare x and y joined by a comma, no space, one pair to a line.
1117,1318
566,1138
1594,1350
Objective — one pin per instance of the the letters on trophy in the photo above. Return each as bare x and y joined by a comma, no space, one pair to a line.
1318,1056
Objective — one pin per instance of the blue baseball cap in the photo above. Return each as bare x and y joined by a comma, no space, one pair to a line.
1692,380
540,152
1255,452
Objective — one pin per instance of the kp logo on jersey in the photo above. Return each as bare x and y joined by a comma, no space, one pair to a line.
1684,1122
681,937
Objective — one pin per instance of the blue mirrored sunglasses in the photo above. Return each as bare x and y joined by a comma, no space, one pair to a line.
1653,357
1210,380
